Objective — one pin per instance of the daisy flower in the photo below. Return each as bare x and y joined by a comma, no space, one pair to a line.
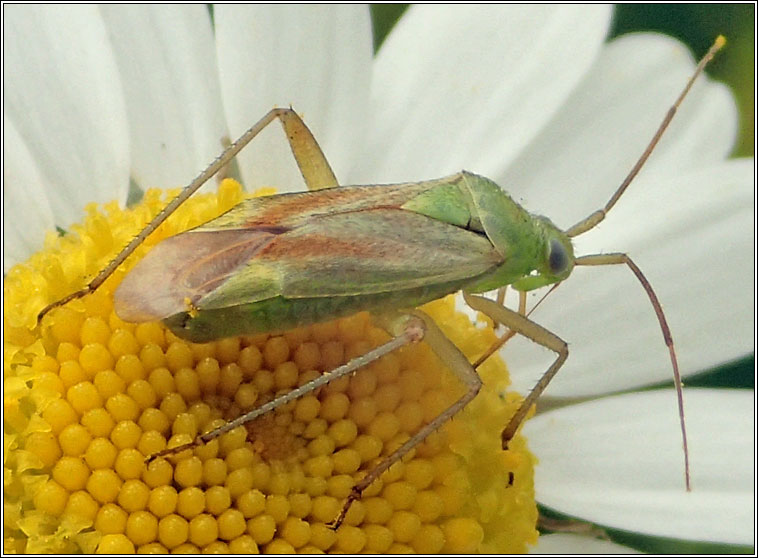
101,102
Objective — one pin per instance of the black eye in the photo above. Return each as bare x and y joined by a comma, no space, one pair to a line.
558,259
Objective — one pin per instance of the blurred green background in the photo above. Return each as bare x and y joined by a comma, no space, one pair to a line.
696,25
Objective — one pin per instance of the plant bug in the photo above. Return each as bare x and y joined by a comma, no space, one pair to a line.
296,259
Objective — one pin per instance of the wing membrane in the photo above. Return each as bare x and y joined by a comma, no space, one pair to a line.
359,252
295,209
187,267
347,241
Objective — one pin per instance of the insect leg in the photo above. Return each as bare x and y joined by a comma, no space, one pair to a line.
573,526
500,299
313,165
497,345
310,159
414,331
526,327
459,364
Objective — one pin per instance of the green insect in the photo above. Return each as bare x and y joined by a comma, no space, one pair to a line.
296,259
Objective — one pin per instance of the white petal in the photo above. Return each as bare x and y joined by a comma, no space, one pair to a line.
63,93
692,238
618,462
167,59
582,155
316,59
467,86
577,544
24,226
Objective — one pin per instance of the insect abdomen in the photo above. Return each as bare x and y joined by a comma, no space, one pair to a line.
279,313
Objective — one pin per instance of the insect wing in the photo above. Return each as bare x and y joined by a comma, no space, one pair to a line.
189,266
295,209
335,242
183,269
359,253
364,252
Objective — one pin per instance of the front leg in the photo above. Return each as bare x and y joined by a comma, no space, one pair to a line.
518,323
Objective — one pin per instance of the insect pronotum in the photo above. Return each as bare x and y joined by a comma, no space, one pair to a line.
460,232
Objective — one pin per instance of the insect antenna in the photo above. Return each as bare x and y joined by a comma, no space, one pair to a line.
614,259
595,218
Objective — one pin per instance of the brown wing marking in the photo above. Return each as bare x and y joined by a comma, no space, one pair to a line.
358,253
184,268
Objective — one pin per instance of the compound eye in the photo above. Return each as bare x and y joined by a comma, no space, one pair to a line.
558,259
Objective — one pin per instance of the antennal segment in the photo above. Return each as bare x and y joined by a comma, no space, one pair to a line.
614,259
595,218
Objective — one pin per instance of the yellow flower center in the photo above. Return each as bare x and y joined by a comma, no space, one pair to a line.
88,397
